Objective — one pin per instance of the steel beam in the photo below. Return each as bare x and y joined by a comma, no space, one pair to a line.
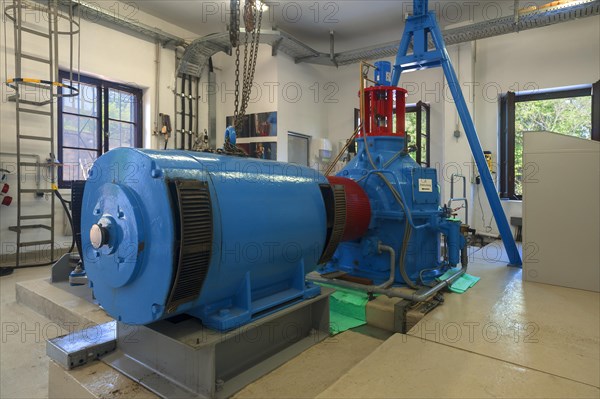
415,31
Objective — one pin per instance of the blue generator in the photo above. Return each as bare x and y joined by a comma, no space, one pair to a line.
229,239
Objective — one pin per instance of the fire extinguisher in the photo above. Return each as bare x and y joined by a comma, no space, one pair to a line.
6,199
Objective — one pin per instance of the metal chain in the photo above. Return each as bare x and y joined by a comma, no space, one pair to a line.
250,67
235,26
242,110
250,59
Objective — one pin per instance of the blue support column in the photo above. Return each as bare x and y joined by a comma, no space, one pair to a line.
421,25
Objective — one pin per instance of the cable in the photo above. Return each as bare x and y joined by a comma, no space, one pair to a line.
407,233
402,263
388,163
488,227
62,201
5,54
4,269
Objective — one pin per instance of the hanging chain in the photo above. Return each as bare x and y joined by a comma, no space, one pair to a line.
252,63
253,21
234,36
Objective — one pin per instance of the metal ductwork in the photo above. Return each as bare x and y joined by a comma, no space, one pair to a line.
92,12
198,52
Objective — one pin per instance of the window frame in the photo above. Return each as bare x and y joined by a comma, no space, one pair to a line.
507,134
102,120
418,109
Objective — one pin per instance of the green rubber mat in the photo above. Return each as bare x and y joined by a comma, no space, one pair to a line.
461,285
347,309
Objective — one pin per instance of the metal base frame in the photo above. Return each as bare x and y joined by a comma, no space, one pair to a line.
180,358
61,269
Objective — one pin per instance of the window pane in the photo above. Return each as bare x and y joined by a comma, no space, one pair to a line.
86,103
569,116
411,132
120,135
121,105
424,139
76,163
80,131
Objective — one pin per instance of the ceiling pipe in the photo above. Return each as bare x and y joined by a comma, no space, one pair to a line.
332,47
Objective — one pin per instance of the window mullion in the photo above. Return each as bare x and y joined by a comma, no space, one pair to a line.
510,137
105,121
596,111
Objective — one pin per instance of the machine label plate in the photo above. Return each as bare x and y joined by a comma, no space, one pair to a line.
425,185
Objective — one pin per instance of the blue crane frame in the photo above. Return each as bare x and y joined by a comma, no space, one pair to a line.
417,30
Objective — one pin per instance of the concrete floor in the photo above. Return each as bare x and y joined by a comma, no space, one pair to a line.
504,338
23,361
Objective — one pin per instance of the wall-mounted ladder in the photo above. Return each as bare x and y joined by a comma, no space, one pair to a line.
186,127
35,105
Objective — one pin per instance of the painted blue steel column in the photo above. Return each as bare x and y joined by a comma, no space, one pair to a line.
420,7
476,150
418,23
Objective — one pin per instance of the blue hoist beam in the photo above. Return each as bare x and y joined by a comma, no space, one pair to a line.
419,27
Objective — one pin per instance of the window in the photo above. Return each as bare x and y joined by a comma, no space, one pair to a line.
571,111
104,115
417,130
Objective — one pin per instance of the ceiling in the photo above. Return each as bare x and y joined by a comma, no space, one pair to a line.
354,22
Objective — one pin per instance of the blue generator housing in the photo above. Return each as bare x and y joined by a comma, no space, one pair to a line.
222,238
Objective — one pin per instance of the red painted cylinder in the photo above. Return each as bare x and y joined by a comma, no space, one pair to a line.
385,109
358,208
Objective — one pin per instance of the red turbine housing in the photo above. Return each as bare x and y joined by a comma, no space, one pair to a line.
358,208
381,105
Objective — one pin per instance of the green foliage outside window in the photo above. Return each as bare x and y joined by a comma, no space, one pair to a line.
569,116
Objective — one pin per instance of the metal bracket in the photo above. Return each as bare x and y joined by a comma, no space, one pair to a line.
84,346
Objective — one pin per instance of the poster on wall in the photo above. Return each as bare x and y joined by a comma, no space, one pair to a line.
260,150
255,135
263,124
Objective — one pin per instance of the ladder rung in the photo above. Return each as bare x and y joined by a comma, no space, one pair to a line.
34,243
35,190
35,217
25,137
34,111
28,102
35,58
35,32
40,165
17,229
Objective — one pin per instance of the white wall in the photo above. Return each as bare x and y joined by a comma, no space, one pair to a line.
105,53
305,93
